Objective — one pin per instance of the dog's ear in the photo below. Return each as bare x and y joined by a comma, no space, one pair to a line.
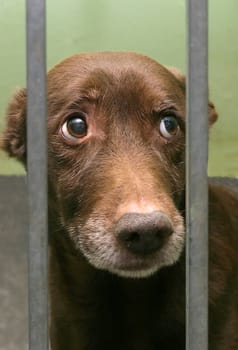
13,140
212,113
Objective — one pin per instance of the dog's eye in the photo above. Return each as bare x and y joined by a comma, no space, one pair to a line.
75,128
169,126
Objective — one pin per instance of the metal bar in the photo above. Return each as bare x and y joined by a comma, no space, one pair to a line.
196,172
37,175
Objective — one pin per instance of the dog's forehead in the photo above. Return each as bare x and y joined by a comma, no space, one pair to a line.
106,60
113,74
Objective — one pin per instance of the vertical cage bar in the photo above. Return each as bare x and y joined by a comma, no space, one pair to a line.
37,174
196,172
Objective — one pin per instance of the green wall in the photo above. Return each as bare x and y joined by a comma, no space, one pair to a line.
153,27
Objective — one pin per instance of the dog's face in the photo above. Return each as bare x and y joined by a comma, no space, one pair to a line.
116,124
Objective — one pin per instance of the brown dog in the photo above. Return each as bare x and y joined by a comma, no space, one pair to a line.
116,125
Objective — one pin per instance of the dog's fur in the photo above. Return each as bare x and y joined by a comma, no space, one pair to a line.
103,295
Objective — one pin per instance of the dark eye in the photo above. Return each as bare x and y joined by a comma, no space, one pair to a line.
75,128
169,126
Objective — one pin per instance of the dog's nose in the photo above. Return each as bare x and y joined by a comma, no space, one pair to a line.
143,233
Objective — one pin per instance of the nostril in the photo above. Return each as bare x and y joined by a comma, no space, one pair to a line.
165,231
132,237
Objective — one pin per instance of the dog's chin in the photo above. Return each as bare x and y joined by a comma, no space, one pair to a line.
140,273
128,271
126,265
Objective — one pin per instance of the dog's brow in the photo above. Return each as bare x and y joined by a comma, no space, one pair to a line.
165,105
86,97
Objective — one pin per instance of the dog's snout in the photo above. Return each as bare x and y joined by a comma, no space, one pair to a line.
143,233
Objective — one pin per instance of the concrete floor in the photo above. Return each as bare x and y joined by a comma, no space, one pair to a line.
13,264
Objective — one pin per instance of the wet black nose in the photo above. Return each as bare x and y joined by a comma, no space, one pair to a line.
143,233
